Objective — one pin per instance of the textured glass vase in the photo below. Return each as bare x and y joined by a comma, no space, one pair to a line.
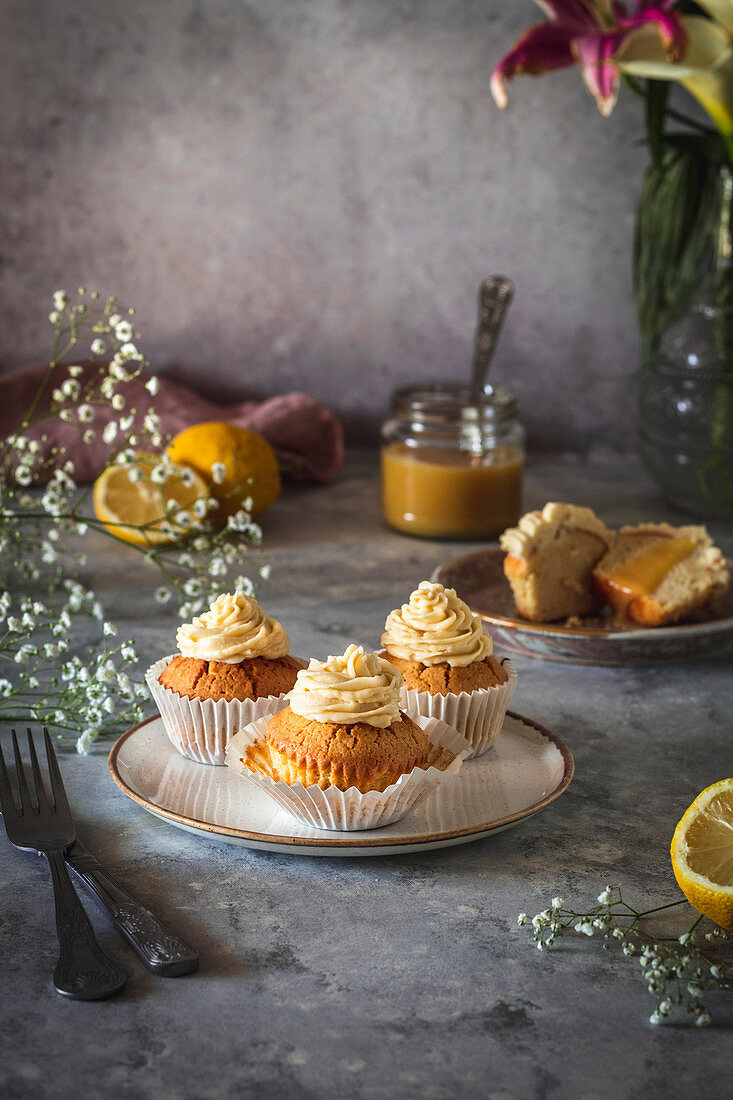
686,389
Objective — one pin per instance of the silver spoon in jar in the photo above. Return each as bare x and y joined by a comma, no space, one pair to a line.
495,297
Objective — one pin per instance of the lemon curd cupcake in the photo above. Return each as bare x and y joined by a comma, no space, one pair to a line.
446,658
342,753
233,665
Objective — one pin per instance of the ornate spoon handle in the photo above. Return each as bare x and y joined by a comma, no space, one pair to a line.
159,947
495,297
83,971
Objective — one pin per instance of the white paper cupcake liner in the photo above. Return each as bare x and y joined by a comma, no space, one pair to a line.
201,728
351,810
477,715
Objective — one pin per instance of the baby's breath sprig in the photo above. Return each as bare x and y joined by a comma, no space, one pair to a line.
677,969
85,690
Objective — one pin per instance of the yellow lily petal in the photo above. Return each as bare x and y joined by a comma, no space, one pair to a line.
708,47
706,71
722,10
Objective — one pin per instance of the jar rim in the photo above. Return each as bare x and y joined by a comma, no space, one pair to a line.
451,403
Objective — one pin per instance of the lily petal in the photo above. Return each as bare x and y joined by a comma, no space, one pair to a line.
706,72
722,10
594,53
541,48
577,15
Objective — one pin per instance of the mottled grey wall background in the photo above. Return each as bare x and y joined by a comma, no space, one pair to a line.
306,194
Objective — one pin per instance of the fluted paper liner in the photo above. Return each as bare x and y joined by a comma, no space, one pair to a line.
201,728
349,810
477,715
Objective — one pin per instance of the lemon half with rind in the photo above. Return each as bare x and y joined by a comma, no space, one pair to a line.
136,508
702,853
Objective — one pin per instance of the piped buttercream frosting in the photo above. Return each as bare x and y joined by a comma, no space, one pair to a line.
353,687
436,626
234,629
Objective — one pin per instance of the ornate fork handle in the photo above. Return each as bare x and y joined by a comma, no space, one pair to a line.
159,947
83,971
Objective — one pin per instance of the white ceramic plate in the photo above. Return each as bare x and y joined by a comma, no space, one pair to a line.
527,768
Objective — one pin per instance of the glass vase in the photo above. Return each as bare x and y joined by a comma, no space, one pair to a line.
686,386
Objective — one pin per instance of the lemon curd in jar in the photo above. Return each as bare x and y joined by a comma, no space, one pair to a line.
452,468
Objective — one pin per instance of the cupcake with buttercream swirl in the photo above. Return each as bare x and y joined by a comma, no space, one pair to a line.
343,753
233,664
447,661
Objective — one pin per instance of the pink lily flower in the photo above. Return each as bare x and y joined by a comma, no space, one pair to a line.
588,33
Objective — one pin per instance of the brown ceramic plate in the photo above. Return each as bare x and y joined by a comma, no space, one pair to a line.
479,579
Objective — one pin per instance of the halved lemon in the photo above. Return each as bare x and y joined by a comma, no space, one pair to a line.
135,505
702,853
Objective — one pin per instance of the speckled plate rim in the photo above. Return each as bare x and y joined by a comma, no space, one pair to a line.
351,844
552,630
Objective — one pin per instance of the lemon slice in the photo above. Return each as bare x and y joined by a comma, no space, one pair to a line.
136,508
702,853
237,463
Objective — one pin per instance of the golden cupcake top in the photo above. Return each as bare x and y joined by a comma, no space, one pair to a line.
536,529
434,627
353,687
234,629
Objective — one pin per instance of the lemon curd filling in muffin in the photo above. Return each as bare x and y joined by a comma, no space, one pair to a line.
344,727
232,651
439,645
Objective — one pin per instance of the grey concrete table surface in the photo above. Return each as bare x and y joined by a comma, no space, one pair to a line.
402,976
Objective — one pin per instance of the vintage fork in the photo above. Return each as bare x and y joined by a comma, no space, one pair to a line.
45,825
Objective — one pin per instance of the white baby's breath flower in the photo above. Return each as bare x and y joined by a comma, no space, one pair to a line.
218,472
84,742
123,331
85,413
60,299
153,385
98,347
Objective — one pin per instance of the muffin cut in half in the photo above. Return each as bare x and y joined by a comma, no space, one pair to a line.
655,573
549,561
343,755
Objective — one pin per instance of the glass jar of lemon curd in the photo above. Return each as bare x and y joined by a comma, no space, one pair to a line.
452,467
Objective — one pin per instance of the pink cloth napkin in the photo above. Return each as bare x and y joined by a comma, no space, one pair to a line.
305,435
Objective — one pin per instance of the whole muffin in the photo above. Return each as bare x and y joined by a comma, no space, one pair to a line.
232,667
344,728
232,651
447,662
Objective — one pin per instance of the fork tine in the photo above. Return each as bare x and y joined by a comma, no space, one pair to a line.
7,802
44,806
61,802
23,792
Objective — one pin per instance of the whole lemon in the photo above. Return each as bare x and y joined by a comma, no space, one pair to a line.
238,465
